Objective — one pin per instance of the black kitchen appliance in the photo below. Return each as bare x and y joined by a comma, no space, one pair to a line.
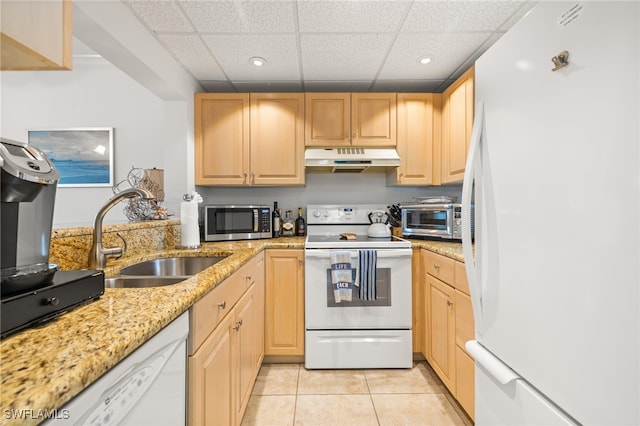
32,290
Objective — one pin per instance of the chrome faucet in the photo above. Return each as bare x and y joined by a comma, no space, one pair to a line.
98,254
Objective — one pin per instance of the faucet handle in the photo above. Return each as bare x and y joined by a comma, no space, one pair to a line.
116,252
123,250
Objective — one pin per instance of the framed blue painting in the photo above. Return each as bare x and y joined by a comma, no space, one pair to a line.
83,155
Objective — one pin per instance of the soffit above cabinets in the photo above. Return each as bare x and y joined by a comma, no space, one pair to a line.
353,45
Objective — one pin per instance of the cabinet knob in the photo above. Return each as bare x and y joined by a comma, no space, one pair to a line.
354,135
222,305
449,303
238,325
436,266
300,262
244,176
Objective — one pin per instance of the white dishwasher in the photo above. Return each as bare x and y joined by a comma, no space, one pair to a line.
148,387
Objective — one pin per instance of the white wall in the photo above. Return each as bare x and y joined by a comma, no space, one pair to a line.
148,131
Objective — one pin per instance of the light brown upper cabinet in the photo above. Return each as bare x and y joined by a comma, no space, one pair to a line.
419,133
36,35
350,119
249,139
277,139
222,138
457,121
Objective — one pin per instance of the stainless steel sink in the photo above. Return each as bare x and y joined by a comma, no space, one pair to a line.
171,267
141,281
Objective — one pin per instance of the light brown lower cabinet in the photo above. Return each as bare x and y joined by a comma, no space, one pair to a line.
448,319
224,364
284,325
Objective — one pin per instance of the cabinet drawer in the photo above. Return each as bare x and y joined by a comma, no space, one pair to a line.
464,319
439,266
212,308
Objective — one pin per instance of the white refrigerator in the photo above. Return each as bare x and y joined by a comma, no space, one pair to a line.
553,172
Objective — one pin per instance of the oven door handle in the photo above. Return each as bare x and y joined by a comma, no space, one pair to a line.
326,254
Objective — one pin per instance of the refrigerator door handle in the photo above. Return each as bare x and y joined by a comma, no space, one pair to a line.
472,267
490,363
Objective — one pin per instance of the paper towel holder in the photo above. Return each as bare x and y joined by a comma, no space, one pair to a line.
189,229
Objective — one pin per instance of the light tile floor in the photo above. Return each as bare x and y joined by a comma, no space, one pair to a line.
288,394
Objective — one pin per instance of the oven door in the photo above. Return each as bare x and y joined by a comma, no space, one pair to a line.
428,221
390,310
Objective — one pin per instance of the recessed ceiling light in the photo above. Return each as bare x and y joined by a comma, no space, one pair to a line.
257,61
424,60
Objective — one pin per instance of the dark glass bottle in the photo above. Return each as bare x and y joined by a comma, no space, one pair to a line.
275,223
301,226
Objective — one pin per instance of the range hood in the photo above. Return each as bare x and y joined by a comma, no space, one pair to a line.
350,160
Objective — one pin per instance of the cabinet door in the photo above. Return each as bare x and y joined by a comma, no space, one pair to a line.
328,119
442,330
465,375
418,326
36,35
277,139
415,139
210,379
245,329
373,119
457,123
258,330
221,139
284,302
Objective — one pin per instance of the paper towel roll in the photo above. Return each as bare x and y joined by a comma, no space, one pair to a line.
189,232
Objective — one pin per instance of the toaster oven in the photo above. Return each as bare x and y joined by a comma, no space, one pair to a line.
438,221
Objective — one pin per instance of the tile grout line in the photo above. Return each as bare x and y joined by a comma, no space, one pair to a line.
295,401
371,397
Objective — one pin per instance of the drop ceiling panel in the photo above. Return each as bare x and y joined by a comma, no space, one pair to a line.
343,56
446,50
327,45
161,16
449,16
241,16
519,14
233,53
192,53
351,16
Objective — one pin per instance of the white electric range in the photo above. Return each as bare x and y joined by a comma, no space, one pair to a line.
355,333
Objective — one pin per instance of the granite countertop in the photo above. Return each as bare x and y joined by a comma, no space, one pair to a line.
44,367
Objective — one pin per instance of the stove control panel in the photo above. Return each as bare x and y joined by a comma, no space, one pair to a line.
337,214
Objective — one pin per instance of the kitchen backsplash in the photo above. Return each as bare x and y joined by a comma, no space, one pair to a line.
324,188
70,246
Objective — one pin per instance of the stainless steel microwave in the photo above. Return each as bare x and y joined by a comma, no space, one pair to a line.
439,221
236,222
